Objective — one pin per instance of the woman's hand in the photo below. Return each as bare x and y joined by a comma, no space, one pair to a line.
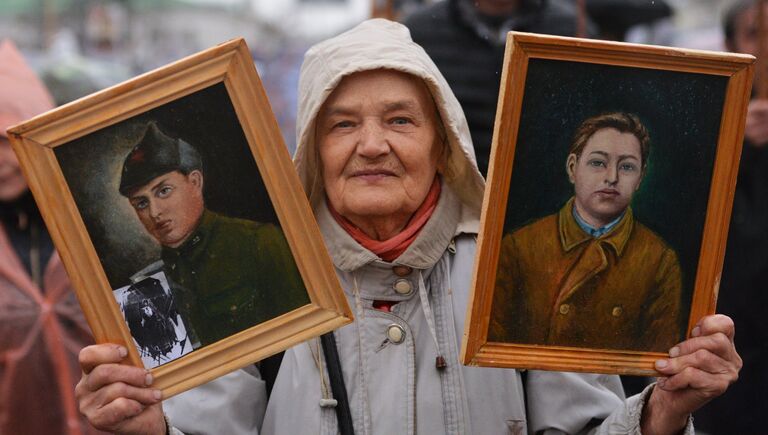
698,370
116,397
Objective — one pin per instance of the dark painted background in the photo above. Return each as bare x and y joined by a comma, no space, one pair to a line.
682,112
92,165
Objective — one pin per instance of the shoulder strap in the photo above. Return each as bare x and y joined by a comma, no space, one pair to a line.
268,368
339,390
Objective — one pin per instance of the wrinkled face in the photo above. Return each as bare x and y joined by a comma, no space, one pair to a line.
379,150
606,175
12,182
170,206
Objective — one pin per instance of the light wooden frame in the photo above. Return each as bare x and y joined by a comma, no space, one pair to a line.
520,48
34,142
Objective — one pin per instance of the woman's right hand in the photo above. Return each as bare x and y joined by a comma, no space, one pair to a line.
117,397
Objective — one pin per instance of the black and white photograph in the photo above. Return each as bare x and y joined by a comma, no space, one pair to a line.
157,327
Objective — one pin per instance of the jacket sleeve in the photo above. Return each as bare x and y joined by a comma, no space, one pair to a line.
571,403
233,404
581,403
626,418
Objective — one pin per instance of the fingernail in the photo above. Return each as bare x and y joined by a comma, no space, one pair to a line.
122,351
157,394
148,379
674,352
661,363
695,332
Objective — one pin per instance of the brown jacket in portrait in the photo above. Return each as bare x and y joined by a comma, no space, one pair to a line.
558,286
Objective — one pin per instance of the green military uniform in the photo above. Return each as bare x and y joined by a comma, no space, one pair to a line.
231,274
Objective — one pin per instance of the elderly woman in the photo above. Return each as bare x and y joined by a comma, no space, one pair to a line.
385,156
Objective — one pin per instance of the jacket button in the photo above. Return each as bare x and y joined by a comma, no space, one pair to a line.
395,333
233,308
617,311
402,286
401,270
564,309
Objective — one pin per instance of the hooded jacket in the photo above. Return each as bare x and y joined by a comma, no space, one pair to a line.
41,326
394,387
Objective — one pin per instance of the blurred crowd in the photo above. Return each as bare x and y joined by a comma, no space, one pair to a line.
53,52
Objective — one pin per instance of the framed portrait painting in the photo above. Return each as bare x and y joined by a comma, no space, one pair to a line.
181,221
612,175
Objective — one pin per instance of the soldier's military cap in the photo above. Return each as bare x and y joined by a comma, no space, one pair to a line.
156,154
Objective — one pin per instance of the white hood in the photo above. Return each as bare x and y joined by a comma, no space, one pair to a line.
377,44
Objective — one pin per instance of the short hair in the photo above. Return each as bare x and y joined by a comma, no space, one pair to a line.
732,14
621,121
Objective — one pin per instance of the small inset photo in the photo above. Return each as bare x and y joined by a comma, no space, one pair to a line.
157,327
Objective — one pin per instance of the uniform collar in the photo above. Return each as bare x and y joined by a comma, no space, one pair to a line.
197,239
572,235
423,253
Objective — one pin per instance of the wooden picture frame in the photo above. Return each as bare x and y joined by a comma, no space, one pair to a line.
213,100
545,296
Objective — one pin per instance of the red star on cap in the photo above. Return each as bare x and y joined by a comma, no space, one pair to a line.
137,156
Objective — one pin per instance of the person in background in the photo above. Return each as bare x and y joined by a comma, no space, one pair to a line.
744,283
41,325
385,156
466,38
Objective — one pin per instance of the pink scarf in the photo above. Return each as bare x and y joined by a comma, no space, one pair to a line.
390,249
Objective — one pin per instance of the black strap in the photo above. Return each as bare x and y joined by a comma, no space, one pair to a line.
268,367
343,413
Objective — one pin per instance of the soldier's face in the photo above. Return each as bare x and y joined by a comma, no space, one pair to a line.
606,175
170,206
12,182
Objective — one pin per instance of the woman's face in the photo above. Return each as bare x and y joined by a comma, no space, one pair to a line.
379,150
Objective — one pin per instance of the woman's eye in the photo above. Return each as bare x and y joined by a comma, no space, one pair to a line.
400,121
343,124
629,167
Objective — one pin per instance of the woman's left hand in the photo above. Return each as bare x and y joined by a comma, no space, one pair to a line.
697,370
